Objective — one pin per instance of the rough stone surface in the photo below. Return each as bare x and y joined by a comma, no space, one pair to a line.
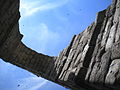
90,62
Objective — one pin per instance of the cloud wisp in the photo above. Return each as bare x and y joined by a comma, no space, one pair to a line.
32,83
30,8
38,86
42,36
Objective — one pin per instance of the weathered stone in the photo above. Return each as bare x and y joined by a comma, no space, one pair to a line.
111,38
117,12
117,37
115,51
100,16
106,31
103,68
90,62
113,73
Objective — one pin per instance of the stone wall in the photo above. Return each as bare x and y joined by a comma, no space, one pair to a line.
90,62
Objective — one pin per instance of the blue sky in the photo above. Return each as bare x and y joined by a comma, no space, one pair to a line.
48,26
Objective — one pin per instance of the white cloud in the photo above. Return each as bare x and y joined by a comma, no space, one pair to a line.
42,37
45,36
38,86
31,83
29,8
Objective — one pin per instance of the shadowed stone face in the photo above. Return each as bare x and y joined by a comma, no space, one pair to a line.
90,62
113,73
